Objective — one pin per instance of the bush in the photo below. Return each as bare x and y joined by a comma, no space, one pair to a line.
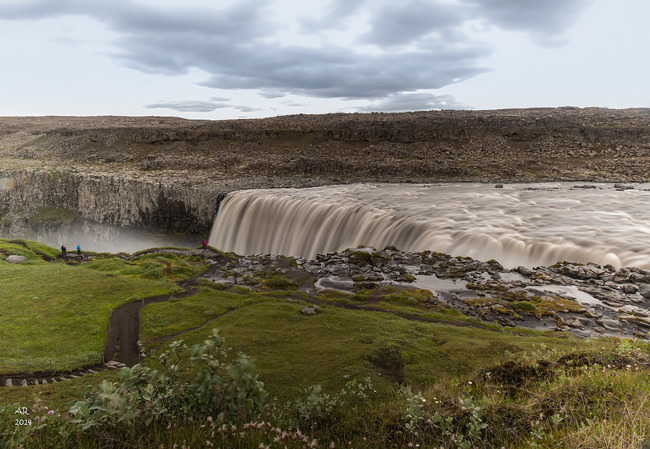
231,393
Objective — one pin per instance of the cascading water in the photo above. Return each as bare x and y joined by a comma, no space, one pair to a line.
517,225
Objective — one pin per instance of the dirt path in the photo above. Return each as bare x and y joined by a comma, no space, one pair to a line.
121,347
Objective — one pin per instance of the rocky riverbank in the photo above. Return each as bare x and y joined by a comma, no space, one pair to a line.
587,300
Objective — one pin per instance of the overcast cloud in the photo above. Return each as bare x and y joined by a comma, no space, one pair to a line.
376,53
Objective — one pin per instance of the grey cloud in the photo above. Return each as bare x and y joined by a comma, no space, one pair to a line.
403,23
545,21
340,72
420,44
197,106
335,16
417,101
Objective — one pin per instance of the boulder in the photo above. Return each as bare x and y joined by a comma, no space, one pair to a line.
310,310
16,259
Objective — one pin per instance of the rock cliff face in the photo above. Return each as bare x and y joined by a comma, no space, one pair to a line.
108,198
168,173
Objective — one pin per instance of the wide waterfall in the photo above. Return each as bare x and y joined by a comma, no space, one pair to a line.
519,224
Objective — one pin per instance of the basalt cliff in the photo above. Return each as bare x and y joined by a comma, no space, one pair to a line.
169,173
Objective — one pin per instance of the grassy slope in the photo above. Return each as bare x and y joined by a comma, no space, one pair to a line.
54,315
59,313
294,351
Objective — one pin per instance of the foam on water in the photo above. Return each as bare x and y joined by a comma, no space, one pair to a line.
517,225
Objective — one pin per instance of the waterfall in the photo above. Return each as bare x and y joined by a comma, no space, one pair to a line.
516,225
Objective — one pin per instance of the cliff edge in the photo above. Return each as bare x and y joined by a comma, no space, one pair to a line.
168,173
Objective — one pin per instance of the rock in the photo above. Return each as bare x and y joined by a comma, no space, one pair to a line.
633,310
577,322
523,271
641,321
645,292
114,364
16,259
609,323
310,310
630,288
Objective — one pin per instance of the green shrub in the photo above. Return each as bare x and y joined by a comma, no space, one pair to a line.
229,392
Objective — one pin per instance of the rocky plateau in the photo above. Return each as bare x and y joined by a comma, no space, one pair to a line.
170,174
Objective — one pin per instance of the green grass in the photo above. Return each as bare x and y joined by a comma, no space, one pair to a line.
294,351
168,318
516,381
58,313
33,251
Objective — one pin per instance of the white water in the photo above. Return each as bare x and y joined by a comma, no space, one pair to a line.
521,224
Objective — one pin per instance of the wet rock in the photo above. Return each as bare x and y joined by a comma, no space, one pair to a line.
630,288
645,292
524,271
609,324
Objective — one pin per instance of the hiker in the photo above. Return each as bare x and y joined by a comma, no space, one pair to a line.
79,250
63,250
205,244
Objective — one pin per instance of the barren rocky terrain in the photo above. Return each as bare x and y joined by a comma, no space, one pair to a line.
168,173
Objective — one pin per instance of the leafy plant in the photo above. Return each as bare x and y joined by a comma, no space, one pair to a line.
231,392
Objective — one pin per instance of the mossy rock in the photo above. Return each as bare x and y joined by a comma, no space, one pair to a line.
524,306
53,216
280,282
360,257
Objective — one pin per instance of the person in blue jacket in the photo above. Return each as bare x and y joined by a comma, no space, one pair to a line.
79,249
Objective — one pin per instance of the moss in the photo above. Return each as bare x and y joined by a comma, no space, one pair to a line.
524,306
360,257
280,282
53,216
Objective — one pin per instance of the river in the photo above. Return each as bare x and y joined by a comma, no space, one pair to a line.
518,224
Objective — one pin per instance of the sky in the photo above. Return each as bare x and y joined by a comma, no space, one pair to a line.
222,59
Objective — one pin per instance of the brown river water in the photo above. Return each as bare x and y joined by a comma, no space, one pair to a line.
519,224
